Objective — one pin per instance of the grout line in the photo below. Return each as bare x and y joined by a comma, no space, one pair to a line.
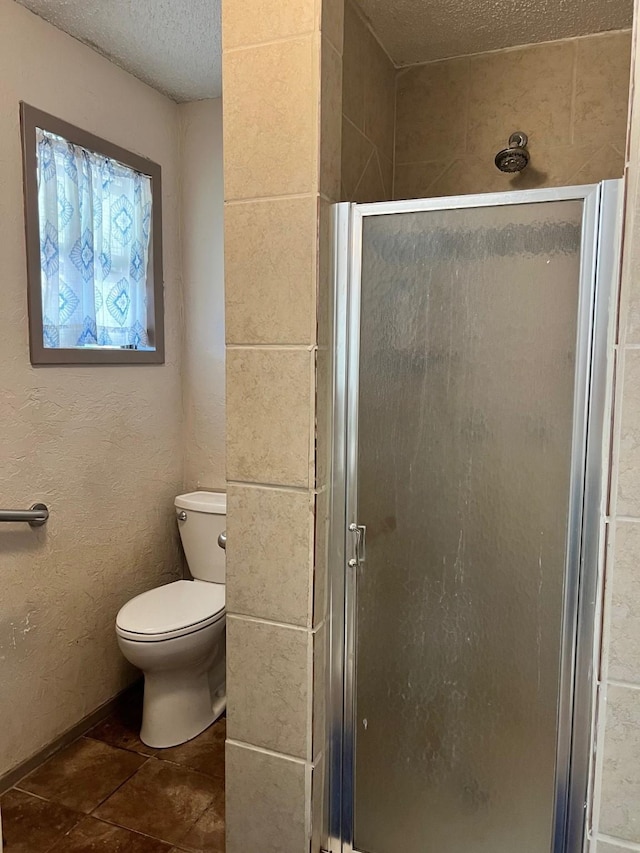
136,831
264,751
17,787
512,49
282,40
235,202
273,486
395,134
627,519
262,621
467,106
362,174
124,782
574,87
628,685
367,24
618,842
282,347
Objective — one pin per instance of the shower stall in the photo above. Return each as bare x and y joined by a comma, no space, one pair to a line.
470,391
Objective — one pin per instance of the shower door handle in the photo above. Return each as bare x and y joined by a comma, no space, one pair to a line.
360,531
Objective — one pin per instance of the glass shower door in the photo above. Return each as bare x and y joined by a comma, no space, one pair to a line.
471,334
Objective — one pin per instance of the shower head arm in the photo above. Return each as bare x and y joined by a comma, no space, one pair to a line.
518,139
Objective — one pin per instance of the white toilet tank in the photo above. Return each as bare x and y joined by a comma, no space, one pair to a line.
201,519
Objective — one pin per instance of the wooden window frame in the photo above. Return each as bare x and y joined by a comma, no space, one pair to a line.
31,119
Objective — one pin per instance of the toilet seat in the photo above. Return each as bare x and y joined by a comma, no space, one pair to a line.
173,610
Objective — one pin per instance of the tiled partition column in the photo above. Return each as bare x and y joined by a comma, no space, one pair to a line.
616,813
282,63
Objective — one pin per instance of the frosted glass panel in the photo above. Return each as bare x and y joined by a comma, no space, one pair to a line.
468,332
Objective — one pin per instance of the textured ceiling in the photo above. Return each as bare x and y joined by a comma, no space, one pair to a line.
423,30
170,44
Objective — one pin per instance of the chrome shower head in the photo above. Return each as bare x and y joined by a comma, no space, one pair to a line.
516,157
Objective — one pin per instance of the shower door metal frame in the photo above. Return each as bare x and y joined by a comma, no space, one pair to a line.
598,287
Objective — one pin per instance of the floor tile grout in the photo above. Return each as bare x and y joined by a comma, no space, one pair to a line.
134,831
124,782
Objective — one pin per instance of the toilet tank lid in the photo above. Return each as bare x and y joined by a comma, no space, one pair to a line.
215,502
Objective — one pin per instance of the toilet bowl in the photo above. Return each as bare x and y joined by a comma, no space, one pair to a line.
176,633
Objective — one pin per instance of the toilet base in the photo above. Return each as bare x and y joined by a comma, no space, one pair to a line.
184,683
176,710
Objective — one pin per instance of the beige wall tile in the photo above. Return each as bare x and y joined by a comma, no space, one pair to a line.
605,164
356,154
269,553
331,122
267,685
386,170
602,88
431,111
605,847
528,89
471,174
370,186
266,802
550,166
379,96
629,457
332,22
258,21
270,267
414,180
620,805
354,69
624,629
546,73
271,98
630,297
269,416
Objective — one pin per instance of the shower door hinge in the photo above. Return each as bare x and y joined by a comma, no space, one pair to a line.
360,550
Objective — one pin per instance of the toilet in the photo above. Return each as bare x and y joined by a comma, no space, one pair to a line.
176,633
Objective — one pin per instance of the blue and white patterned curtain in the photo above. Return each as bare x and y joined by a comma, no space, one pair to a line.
95,216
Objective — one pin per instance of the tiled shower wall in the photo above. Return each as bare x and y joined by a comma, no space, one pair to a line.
569,96
282,69
368,113
434,129
616,811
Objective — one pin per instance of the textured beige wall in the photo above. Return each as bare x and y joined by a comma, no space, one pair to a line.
615,817
282,69
203,276
100,445
368,113
570,97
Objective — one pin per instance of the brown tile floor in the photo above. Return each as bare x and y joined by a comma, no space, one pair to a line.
109,793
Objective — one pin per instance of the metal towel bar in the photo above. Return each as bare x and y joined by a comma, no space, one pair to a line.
36,516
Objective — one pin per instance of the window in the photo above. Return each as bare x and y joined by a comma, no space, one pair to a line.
94,248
